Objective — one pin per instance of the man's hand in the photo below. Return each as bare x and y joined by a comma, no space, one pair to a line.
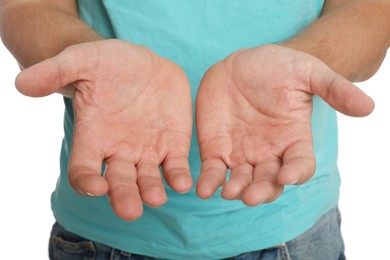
132,111
253,115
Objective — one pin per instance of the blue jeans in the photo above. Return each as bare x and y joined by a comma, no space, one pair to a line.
321,242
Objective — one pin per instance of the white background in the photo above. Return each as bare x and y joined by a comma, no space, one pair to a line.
30,138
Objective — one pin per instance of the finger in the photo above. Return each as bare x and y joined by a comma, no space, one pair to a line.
48,76
240,178
212,176
177,174
299,163
265,187
123,193
85,168
340,93
150,184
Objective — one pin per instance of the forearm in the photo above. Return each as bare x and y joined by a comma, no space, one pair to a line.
352,38
34,31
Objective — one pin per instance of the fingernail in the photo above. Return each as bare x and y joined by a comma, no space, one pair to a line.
294,182
82,193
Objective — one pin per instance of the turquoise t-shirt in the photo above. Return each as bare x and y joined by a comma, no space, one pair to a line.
196,34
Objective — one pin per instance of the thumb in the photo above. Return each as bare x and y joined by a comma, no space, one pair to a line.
48,76
340,93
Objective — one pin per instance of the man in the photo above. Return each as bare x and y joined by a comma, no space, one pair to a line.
255,115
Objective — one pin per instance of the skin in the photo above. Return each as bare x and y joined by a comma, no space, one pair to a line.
262,101
136,109
259,125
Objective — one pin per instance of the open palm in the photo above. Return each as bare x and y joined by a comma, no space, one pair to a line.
132,111
253,116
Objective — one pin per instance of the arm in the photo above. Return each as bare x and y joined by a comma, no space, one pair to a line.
263,122
132,108
351,37
34,30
